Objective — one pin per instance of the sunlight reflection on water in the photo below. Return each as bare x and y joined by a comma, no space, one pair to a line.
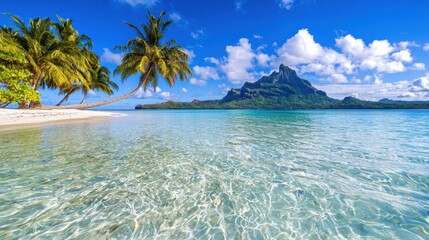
220,174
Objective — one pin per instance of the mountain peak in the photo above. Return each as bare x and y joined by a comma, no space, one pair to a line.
282,84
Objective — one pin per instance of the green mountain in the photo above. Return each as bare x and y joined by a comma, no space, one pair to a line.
280,90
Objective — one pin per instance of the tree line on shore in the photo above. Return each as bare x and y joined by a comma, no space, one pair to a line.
47,54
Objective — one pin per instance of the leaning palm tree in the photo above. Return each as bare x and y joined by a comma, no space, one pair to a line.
151,57
53,62
100,82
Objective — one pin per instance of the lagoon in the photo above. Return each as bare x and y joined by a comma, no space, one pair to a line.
220,174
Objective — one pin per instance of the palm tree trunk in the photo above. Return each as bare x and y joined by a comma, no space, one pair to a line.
65,98
105,102
84,97
36,80
22,105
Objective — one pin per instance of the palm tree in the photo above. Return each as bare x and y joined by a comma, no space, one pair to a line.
151,57
53,62
100,82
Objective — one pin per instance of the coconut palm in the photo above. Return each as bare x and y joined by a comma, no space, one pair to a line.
151,57
53,62
100,82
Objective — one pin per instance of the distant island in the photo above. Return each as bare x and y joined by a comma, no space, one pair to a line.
284,90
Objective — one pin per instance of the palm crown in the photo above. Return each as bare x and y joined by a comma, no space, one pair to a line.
148,55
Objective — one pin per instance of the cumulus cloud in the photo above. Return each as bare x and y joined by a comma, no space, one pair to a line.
303,51
286,4
380,55
308,56
110,57
256,36
203,74
421,84
184,90
238,62
337,78
263,59
135,3
141,93
426,47
206,73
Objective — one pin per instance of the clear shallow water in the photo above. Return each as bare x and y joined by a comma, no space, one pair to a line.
220,175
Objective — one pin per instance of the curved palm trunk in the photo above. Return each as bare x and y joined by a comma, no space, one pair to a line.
84,97
65,98
105,102
97,104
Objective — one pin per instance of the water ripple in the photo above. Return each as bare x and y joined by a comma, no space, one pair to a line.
220,175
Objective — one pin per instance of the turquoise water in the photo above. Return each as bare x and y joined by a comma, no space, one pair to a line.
219,175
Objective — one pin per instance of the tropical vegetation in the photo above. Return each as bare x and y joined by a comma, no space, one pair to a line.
14,77
53,55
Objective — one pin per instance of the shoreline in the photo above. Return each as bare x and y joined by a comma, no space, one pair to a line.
13,119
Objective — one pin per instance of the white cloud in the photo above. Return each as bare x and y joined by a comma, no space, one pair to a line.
184,90
225,88
205,73
378,80
367,78
407,95
212,60
238,62
260,48
380,55
366,91
263,59
197,34
417,89
308,56
191,54
286,4
175,17
135,3
403,56
337,78
143,94
199,82
301,50
257,36
419,66
426,47
111,57
421,84
168,95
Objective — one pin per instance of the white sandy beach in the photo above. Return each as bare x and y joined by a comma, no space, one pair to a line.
24,117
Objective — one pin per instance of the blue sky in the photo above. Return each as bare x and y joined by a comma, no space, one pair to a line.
367,49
